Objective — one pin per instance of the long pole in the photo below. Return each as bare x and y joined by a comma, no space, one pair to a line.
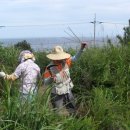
94,31
129,32
94,23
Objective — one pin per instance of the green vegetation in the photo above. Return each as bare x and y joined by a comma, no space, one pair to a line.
125,40
102,91
23,45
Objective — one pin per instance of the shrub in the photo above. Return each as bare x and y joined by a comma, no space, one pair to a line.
23,45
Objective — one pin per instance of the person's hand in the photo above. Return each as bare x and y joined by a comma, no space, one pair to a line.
83,45
2,74
10,77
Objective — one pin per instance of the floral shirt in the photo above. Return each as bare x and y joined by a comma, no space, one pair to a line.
28,72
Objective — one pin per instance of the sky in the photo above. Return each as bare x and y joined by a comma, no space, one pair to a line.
62,18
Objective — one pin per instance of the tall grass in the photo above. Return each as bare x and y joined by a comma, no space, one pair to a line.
102,83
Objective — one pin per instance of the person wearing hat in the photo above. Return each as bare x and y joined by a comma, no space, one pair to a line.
28,71
57,73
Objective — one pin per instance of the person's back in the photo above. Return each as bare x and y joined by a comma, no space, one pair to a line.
28,72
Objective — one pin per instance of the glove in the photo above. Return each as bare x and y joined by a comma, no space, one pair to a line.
2,74
10,77
83,45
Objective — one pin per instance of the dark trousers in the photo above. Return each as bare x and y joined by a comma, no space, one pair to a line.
65,100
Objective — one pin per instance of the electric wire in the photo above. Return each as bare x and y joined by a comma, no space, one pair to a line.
62,24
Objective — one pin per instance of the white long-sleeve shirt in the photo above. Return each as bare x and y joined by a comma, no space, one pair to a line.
28,72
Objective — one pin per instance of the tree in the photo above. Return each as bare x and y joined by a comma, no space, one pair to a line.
125,40
23,45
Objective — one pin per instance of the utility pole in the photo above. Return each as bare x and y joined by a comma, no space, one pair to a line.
129,32
94,35
94,22
94,28
129,26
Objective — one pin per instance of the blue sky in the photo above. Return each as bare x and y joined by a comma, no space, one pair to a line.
53,18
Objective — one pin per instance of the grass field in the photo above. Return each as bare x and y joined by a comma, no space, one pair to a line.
102,92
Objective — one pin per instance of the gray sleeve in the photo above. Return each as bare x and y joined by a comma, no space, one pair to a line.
47,81
76,57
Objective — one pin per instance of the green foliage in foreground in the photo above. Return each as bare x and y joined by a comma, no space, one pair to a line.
102,91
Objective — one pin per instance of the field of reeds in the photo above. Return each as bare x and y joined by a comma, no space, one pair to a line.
102,92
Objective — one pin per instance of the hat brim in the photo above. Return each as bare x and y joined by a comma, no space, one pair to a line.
59,56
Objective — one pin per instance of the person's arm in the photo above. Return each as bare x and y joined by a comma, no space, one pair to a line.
17,73
47,81
47,78
8,77
78,54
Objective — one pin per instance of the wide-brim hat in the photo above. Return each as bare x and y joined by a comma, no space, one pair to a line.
58,54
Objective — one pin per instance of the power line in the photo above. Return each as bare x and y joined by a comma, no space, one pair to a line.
95,22
63,24
51,24
2,26
113,23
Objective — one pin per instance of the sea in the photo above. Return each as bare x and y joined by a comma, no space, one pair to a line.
47,43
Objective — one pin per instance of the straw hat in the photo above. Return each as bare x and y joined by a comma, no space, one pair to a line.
58,54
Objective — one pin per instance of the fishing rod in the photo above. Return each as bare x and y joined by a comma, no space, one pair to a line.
74,34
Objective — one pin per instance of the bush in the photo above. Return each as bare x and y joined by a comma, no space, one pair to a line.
23,45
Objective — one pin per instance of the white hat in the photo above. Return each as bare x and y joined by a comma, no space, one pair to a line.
58,54
26,54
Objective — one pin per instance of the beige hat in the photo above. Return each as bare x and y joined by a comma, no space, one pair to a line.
58,54
26,54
